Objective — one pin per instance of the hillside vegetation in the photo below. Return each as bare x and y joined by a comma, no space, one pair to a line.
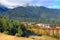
3,9
10,22
34,14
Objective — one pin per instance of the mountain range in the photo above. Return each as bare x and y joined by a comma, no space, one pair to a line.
3,8
32,13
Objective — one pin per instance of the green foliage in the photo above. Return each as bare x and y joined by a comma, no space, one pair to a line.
9,26
6,32
34,14
56,36
18,35
12,27
20,32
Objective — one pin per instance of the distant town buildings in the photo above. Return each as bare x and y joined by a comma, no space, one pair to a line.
43,25
37,24
28,23
50,30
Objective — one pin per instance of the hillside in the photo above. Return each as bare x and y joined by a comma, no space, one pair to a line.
34,13
3,8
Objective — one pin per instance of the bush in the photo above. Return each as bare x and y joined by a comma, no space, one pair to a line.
6,32
56,36
18,34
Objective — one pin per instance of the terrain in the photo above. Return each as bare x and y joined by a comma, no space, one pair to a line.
9,37
10,22
34,14
3,9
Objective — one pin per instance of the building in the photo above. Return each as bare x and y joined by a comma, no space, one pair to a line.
43,25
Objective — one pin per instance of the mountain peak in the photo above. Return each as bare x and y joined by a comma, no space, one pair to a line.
33,12
3,8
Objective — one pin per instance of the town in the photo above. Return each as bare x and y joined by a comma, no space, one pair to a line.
47,29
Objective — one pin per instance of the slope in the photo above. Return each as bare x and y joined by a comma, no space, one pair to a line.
33,13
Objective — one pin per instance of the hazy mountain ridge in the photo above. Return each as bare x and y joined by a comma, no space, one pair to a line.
34,13
3,8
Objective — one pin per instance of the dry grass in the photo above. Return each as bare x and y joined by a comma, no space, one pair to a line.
42,38
8,37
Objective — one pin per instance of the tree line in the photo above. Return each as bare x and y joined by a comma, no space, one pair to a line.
12,27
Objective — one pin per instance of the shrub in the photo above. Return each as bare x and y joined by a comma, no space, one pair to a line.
6,32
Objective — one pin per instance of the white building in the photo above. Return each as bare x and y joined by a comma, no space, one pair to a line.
43,25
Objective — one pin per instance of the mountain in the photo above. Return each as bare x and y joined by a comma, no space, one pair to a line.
34,13
3,8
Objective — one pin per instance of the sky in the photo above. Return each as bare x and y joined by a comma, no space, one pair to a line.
46,3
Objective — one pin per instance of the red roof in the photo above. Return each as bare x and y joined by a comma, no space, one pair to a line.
53,28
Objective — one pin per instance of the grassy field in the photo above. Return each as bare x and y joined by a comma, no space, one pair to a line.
42,38
9,37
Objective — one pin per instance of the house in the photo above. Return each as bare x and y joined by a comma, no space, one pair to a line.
43,25
28,23
57,27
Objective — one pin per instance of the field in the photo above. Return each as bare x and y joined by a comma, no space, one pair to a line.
9,37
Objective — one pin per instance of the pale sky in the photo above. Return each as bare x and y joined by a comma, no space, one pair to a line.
46,3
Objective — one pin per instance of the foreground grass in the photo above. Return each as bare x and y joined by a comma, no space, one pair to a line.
42,38
9,37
